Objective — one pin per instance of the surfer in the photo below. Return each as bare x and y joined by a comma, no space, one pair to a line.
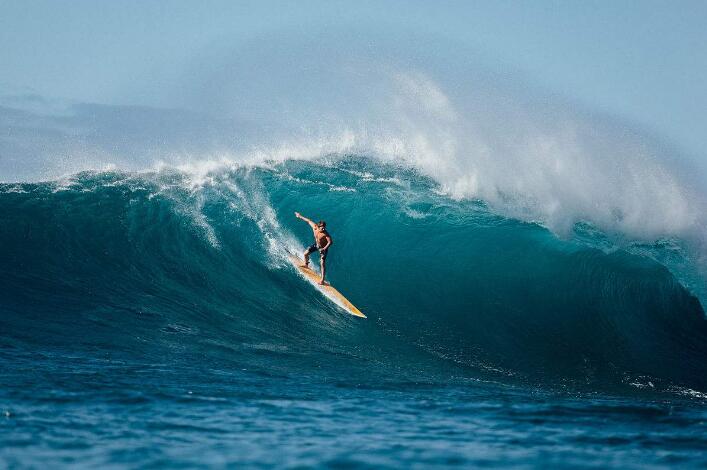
322,242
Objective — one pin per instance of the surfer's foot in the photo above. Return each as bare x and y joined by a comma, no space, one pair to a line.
323,283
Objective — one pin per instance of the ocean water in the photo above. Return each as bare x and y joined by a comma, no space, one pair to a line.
151,318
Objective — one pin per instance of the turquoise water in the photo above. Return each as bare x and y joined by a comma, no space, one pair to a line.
152,319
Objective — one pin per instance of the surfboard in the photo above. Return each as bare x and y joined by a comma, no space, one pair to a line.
328,291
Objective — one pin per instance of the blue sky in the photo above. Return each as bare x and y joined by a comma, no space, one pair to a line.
644,61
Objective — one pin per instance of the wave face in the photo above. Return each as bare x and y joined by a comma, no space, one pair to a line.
170,264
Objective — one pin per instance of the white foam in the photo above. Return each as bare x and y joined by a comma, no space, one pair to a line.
526,154
559,169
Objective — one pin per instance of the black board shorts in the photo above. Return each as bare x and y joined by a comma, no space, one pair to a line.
314,248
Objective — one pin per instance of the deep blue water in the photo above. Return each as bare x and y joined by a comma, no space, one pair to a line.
151,319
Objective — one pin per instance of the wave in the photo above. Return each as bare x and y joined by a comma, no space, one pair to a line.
174,265
481,132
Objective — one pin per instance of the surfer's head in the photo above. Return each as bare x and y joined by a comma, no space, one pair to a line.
321,224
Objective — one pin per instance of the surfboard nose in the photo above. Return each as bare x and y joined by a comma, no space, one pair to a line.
327,290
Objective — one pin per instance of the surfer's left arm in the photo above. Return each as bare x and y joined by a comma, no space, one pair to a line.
328,244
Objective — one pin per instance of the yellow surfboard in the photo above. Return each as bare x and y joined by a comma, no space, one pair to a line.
331,293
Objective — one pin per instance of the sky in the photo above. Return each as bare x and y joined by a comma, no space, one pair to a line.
645,62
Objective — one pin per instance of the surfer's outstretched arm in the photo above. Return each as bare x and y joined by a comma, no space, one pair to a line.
300,216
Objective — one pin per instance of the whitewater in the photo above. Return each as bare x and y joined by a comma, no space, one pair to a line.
533,274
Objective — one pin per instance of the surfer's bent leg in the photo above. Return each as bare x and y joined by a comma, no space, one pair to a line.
307,252
322,263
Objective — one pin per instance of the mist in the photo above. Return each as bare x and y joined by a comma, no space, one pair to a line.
413,99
